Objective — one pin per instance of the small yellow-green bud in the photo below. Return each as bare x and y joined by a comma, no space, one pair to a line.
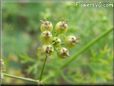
71,41
61,27
63,53
56,41
46,26
46,37
47,49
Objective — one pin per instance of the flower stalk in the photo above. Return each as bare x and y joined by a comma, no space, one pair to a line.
43,67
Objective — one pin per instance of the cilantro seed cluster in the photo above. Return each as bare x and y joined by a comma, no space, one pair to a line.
52,42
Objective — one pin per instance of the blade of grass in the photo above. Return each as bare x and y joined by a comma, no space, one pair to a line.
86,47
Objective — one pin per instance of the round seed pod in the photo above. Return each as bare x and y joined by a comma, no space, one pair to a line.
71,40
61,27
47,49
46,26
56,41
46,37
63,53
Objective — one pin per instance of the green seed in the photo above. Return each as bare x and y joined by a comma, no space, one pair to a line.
46,26
71,41
56,41
47,49
61,27
46,37
63,53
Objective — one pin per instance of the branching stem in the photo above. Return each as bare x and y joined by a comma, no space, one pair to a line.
21,78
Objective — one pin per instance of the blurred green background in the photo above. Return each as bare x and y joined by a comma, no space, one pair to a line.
21,22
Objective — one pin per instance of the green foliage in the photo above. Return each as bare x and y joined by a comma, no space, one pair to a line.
87,63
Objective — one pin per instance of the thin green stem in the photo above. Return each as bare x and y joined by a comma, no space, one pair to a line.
43,67
22,78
